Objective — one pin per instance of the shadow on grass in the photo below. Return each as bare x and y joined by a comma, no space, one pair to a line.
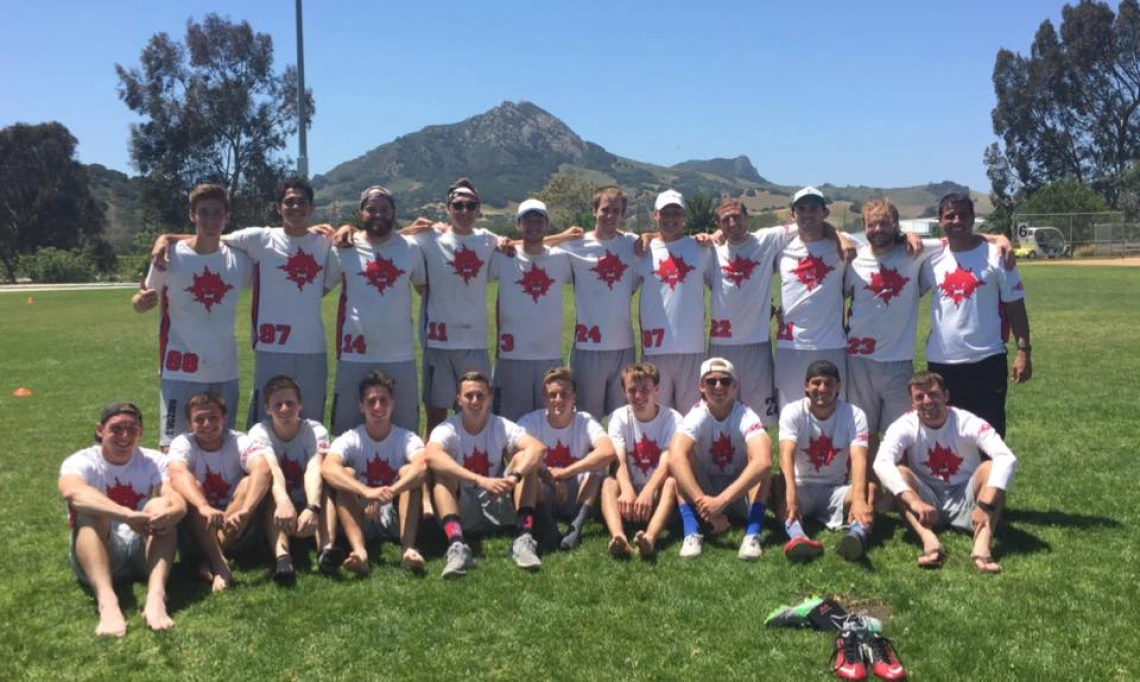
1056,517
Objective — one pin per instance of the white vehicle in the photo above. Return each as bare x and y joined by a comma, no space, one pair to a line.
1041,242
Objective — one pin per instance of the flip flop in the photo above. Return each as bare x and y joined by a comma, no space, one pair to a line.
932,558
985,563
330,559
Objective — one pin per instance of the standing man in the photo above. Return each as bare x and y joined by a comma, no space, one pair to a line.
972,298
124,515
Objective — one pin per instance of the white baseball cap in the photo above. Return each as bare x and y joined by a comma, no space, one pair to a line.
808,193
717,365
668,198
531,206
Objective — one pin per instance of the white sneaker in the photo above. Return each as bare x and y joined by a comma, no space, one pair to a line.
458,561
750,549
692,546
524,550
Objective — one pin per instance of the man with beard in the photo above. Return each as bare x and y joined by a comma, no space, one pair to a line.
374,316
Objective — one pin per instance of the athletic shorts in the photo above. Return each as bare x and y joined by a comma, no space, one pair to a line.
517,386
309,370
978,387
754,375
737,510
384,527
879,389
173,395
680,379
570,506
822,502
597,374
792,364
480,513
126,551
955,503
346,413
442,369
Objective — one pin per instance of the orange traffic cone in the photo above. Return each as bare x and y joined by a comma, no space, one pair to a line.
31,300
22,392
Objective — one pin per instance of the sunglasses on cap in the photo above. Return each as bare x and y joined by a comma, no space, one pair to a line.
464,205
714,381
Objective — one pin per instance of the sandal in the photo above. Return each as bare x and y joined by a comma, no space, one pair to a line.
932,558
985,563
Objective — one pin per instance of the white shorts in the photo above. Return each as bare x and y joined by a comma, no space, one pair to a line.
792,364
126,552
879,389
754,374
680,379
517,386
309,370
480,513
955,503
346,394
442,369
822,502
173,395
597,374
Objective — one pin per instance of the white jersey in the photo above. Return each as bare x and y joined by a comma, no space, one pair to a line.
884,292
132,484
455,314
564,446
643,442
484,453
288,278
967,290
811,295
529,308
219,471
377,463
374,315
198,296
741,284
946,456
721,446
823,446
672,307
293,456
605,277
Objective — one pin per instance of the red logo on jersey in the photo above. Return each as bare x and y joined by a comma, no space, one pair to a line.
381,273
466,264
378,472
477,462
209,288
959,285
609,269
294,474
672,271
887,284
722,451
811,271
739,270
216,489
942,462
301,269
646,454
559,456
821,452
535,282
124,494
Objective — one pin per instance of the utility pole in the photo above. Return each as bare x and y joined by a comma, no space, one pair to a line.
302,133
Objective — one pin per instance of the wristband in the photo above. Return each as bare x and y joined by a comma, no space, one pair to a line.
987,508
514,475
315,508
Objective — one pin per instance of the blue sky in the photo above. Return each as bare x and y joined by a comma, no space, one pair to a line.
879,93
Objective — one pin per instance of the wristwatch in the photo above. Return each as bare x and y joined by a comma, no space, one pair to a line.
315,508
1024,345
987,507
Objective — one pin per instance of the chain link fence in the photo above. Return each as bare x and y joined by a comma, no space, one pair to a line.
1076,235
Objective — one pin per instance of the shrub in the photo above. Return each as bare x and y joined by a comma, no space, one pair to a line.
50,265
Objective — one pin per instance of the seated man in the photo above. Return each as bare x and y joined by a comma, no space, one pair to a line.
224,476
641,491
371,466
123,518
944,481
722,460
298,445
476,458
578,452
823,440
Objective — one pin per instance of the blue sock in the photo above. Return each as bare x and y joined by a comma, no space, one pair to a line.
755,519
689,518
794,529
858,530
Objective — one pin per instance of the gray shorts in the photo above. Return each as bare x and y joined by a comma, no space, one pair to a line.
517,386
754,372
597,374
126,551
384,527
823,503
442,369
346,413
173,395
481,514
570,506
792,364
879,389
680,379
309,370
955,503
737,510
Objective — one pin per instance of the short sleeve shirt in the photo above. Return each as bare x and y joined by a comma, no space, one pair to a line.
823,446
219,471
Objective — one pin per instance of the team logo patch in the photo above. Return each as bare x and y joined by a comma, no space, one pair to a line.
721,451
609,269
942,462
477,462
646,454
124,494
672,271
821,452
739,270
301,268
559,456
811,271
216,488
535,282
378,472
208,288
466,264
294,474
959,285
381,273
887,284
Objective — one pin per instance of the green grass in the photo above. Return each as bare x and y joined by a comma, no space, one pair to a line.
1059,611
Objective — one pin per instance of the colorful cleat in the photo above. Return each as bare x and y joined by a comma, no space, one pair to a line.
880,653
802,548
847,658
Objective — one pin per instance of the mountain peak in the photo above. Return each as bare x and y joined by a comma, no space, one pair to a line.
740,167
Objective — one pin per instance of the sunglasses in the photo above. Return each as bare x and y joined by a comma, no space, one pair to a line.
464,205
722,381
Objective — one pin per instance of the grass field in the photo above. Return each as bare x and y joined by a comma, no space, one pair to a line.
1059,611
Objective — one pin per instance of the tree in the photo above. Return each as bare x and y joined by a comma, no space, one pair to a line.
1071,109
1066,196
215,111
569,201
44,197
700,213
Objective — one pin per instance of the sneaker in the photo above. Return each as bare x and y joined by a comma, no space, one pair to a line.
802,548
692,546
458,560
284,574
750,549
525,552
880,654
850,547
847,658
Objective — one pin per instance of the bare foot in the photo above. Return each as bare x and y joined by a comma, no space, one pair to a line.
619,547
932,557
357,564
644,545
220,583
111,622
156,617
412,560
985,563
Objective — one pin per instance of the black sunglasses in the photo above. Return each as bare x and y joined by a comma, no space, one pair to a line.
723,381
464,205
